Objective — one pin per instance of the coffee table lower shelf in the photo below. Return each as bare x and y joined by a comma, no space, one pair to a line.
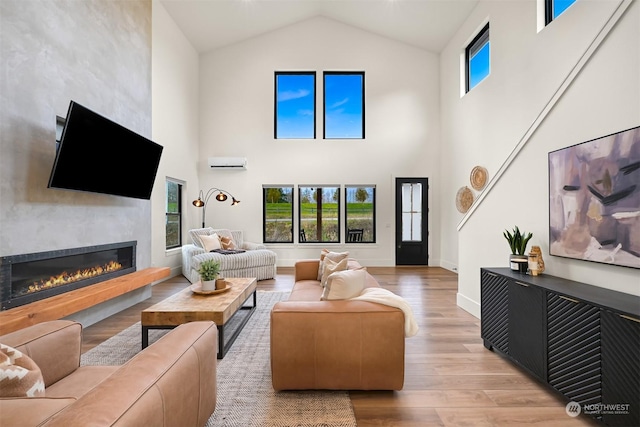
228,329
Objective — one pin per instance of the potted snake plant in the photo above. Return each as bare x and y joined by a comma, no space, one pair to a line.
209,271
518,241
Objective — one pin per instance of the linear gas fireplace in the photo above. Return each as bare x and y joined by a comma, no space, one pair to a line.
32,277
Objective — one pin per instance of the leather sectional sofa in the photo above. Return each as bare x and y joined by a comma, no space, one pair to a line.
170,383
337,344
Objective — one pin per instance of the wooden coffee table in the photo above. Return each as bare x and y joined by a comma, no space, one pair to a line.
187,306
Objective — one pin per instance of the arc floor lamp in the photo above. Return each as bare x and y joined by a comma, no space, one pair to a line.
202,201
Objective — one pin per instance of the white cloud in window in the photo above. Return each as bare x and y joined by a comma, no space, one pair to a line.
339,103
288,95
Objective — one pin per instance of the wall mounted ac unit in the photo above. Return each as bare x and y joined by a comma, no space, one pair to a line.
228,162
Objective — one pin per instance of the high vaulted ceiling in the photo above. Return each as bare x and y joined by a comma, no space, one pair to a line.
426,24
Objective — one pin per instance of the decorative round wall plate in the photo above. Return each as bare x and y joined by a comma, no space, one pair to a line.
478,177
464,199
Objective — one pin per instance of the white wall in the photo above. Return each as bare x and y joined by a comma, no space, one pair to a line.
485,125
402,128
175,127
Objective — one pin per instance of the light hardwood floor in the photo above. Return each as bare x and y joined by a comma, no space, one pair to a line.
450,378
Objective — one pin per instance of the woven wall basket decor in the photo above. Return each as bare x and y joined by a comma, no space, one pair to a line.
464,199
479,177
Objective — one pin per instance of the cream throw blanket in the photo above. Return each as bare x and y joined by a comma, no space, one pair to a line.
386,297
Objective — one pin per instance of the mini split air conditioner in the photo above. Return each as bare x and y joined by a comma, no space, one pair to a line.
228,162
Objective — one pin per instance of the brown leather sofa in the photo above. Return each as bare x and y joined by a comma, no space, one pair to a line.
170,383
334,345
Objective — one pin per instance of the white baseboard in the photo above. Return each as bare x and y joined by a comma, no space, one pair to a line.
449,266
468,304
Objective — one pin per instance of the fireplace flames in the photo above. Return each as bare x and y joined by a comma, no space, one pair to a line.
65,278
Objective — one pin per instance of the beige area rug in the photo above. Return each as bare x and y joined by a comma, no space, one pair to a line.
245,396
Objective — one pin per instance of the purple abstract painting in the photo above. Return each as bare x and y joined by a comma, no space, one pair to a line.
594,200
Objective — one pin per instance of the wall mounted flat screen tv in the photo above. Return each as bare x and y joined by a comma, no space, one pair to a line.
594,200
98,155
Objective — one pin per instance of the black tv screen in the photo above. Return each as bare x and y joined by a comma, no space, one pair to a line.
98,155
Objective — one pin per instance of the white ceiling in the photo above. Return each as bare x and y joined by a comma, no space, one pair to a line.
211,24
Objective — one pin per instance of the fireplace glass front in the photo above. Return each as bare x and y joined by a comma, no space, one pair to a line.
31,277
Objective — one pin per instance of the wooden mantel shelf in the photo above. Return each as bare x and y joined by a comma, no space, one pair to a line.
63,305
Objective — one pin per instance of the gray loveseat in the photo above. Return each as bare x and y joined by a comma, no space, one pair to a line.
256,260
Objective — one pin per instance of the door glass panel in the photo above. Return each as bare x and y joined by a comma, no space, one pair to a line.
406,227
406,197
411,212
416,222
416,202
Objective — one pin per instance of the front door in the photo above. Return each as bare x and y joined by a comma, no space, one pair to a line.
411,221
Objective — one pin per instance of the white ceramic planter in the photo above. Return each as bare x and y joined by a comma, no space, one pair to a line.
208,285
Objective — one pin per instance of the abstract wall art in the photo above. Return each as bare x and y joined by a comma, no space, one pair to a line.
594,200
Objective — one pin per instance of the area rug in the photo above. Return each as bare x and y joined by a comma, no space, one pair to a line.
245,396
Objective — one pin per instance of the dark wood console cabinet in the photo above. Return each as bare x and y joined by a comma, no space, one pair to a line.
581,340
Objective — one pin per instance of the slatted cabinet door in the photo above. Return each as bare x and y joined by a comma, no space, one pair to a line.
620,367
494,311
526,327
573,349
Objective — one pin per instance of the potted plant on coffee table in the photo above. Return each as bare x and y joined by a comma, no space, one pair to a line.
209,271
518,240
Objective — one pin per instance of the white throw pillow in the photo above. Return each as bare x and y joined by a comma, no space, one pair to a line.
332,267
333,256
196,233
344,284
211,242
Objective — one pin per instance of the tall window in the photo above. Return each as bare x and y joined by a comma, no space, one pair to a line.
343,105
295,105
319,218
360,214
173,226
477,59
278,214
554,8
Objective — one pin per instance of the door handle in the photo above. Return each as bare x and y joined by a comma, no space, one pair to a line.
526,285
569,299
633,319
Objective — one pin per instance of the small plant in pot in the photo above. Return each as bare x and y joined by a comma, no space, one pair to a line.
518,241
209,271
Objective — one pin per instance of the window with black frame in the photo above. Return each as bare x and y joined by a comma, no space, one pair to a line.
554,8
477,59
277,214
295,105
343,104
360,214
319,214
173,226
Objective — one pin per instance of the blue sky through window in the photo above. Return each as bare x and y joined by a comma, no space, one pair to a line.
343,106
479,66
560,6
295,106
